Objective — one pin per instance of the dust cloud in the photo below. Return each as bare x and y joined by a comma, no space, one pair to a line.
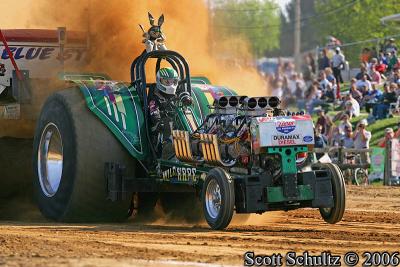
115,37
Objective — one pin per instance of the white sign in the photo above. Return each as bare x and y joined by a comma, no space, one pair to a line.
286,131
395,157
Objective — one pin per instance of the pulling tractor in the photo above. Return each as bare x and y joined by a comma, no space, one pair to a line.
94,159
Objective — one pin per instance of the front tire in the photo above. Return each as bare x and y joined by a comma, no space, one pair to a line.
218,197
335,214
71,146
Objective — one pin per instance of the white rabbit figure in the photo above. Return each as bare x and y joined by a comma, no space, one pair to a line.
154,38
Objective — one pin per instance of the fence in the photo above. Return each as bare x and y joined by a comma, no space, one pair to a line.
391,159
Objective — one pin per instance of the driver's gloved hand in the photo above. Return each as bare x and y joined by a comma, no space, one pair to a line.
185,99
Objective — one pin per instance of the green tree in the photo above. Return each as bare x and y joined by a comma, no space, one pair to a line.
354,20
309,35
257,21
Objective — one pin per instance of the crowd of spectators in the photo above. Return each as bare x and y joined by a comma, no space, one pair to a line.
374,89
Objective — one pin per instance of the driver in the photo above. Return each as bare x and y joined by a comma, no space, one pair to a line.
162,97
161,104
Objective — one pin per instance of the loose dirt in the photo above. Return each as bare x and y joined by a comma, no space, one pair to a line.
371,222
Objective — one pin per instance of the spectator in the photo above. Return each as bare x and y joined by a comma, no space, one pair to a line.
397,134
313,97
381,109
376,76
371,65
347,140
395,88
345,122
365,55
307,71
323,81
361,140
329,75
395,77
391,46
364,82
323,61
329,95
291,83
338,63
371,98
337,136
299,93
288,69
312,63
389,135
392,61
278,91
325,122
352,106
355,93
363,71
331,78
320,140
383,58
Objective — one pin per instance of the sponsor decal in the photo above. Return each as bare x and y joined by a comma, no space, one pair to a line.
43,53
286,139
308,139
2,69
182,174
285,127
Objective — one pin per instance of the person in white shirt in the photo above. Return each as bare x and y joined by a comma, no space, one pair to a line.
364,83
361,139
353,107
338,62
278,91
291,83
323,82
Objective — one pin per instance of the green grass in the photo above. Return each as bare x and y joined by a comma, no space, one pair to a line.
344,87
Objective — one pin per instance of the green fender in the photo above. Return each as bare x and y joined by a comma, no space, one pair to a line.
119,107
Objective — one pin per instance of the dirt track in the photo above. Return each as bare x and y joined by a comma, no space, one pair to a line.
371,222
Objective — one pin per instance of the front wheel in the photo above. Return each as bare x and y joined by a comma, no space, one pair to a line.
218,197
335,214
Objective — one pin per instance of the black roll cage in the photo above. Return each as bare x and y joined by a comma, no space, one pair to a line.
138,79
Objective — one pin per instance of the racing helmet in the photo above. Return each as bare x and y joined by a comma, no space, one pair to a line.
167,80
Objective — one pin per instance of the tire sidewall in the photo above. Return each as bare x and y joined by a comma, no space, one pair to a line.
56,112
226,188
335,214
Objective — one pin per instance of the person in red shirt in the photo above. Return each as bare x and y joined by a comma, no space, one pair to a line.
389,135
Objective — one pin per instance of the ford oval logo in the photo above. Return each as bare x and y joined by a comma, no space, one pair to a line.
308,139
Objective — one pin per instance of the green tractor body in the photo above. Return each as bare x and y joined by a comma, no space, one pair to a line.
227,151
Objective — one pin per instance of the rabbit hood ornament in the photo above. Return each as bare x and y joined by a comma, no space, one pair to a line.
154,38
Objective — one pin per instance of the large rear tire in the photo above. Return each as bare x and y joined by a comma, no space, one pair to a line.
71,146
218,199
335,214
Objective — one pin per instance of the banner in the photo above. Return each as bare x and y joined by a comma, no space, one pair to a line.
377,163
395,157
